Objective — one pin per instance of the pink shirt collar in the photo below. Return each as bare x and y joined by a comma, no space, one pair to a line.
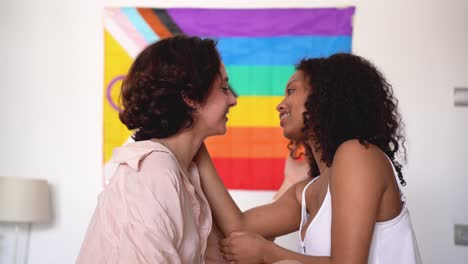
132,153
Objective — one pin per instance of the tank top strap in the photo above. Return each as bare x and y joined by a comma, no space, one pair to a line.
303,202
402,194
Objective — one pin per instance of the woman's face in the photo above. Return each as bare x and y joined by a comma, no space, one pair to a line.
291,108
212,116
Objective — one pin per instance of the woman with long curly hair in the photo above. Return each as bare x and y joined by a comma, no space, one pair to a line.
352,210
153,210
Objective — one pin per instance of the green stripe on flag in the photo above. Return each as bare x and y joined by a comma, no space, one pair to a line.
259,80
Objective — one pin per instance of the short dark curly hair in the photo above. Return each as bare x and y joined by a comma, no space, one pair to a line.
161,77
350,99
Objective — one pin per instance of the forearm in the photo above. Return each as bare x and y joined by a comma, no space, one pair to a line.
259,219
225,211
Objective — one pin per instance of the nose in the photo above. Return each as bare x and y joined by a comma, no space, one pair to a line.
280,106
232,100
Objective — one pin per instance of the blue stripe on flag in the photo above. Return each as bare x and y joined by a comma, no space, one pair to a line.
279,50
140,24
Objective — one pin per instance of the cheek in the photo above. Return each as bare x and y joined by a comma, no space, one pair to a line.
299,113
215,111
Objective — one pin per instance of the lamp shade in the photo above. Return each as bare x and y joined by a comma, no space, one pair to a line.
24,200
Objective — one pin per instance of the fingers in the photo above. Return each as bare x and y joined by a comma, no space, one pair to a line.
225,242
229,258
228,241
228,254
229,245
226,250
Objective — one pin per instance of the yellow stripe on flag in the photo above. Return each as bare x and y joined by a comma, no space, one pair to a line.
116,63
255,111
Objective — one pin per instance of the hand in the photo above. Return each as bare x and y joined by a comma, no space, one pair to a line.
244,247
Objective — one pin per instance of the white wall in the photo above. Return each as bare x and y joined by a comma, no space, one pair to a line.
51,107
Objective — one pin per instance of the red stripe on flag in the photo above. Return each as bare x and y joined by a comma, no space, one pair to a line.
251,174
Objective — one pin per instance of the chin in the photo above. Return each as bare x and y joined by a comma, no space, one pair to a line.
287,135
293,136
220,131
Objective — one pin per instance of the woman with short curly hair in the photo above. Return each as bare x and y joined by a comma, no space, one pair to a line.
352,210
174,96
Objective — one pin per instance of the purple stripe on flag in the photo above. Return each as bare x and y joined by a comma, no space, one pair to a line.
263,22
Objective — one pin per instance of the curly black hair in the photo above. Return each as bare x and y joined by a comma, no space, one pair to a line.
161,77
350,99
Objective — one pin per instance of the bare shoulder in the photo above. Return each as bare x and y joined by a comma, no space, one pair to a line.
299,188
354,161
353,152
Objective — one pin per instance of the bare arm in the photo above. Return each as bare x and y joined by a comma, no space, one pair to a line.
278,218
244,247
356,188
357,185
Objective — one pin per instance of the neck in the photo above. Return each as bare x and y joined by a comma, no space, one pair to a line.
318,159
184,145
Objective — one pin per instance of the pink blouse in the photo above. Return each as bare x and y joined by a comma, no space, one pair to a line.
152,211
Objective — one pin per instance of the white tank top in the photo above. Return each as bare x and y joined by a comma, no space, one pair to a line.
393,241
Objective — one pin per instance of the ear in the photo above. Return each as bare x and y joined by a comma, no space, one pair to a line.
190,102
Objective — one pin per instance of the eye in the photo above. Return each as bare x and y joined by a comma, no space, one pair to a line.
290,91
225,90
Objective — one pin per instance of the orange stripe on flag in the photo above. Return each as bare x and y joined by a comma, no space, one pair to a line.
249,142
153,21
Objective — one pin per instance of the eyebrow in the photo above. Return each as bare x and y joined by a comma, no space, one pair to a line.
289,83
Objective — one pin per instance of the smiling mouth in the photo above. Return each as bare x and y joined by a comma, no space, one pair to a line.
282,116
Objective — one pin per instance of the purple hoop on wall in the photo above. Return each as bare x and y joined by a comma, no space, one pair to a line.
109,90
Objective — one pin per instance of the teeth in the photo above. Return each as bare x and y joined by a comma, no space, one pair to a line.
284,115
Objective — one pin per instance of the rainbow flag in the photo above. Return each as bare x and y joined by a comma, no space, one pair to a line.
259,48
